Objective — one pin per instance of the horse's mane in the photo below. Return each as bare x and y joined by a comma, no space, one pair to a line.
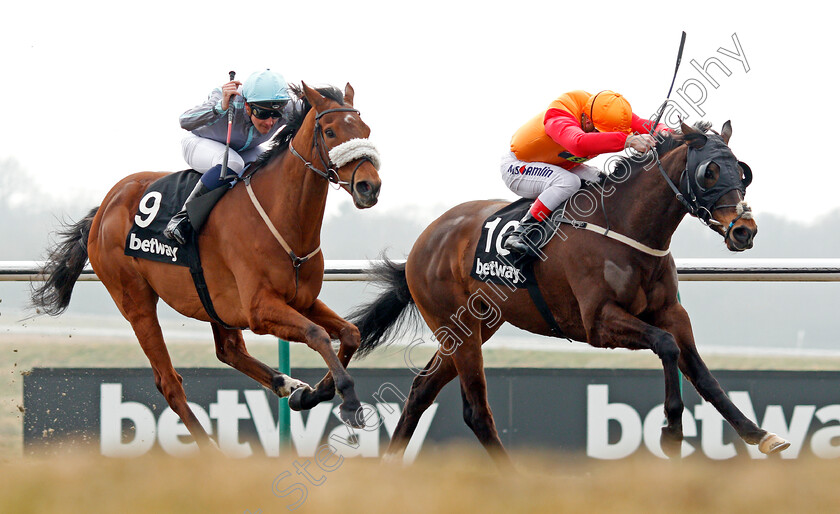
665,143
280,141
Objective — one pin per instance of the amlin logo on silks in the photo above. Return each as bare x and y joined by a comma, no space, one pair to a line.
538,171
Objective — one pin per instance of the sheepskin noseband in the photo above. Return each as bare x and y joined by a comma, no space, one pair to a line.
354,149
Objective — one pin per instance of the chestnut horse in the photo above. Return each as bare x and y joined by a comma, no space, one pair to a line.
251,278
609,293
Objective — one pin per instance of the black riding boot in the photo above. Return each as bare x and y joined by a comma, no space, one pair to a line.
177,227
517,241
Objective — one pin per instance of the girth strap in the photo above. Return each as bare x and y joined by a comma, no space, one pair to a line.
539,302
197,272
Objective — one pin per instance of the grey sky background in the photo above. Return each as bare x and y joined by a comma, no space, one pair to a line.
94,89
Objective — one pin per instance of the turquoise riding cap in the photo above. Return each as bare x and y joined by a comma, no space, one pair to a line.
265,86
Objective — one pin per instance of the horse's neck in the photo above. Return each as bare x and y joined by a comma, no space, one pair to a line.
299,196
645,208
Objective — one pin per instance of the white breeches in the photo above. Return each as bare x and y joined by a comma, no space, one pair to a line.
202,154
552,184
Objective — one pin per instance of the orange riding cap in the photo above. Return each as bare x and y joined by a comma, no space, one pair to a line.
610,113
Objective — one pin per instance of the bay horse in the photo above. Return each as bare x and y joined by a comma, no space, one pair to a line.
253,281
610,292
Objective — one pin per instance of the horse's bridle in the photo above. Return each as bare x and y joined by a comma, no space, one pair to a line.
698,201
330,174
319,146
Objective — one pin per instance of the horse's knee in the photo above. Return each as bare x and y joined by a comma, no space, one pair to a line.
223,353
317,338
172,389
666,348
469,416
228,348
482,425
479,418
351,337
419,395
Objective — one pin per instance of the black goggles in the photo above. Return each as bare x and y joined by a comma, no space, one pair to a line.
263,113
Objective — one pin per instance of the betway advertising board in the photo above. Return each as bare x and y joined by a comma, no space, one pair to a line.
605,414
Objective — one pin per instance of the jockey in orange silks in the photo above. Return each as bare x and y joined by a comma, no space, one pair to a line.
547,154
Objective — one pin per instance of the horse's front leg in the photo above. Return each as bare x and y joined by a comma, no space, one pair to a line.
286,323
337,328
230,349
615,327
675,320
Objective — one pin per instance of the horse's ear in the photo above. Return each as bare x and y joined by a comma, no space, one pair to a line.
696,140
315,98
726,132
693,137
348,94
687,129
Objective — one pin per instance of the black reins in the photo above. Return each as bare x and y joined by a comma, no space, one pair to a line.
691,199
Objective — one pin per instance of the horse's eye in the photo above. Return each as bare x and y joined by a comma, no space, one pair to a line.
329,133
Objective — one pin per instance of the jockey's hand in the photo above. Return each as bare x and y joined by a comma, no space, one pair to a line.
229,90
640,142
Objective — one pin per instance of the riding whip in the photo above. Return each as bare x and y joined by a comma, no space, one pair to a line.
665,103
223,173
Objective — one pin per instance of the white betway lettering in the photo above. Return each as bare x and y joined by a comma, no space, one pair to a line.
633,431
152,246
228,412
495,269
599,413
614,430
112,412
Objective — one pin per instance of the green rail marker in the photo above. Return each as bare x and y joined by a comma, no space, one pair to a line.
680,301
283,415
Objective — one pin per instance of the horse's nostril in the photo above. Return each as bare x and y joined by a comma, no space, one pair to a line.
742,234
363,187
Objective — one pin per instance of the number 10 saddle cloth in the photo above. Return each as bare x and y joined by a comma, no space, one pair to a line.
492,263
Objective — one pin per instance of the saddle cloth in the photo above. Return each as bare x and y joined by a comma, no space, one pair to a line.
492,263
162,200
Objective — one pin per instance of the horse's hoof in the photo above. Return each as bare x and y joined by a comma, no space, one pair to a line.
771,443
211,448
316,396
671,443
296,399
353,417
392,459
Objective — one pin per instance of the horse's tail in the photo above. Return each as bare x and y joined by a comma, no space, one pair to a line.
391,313
64,264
